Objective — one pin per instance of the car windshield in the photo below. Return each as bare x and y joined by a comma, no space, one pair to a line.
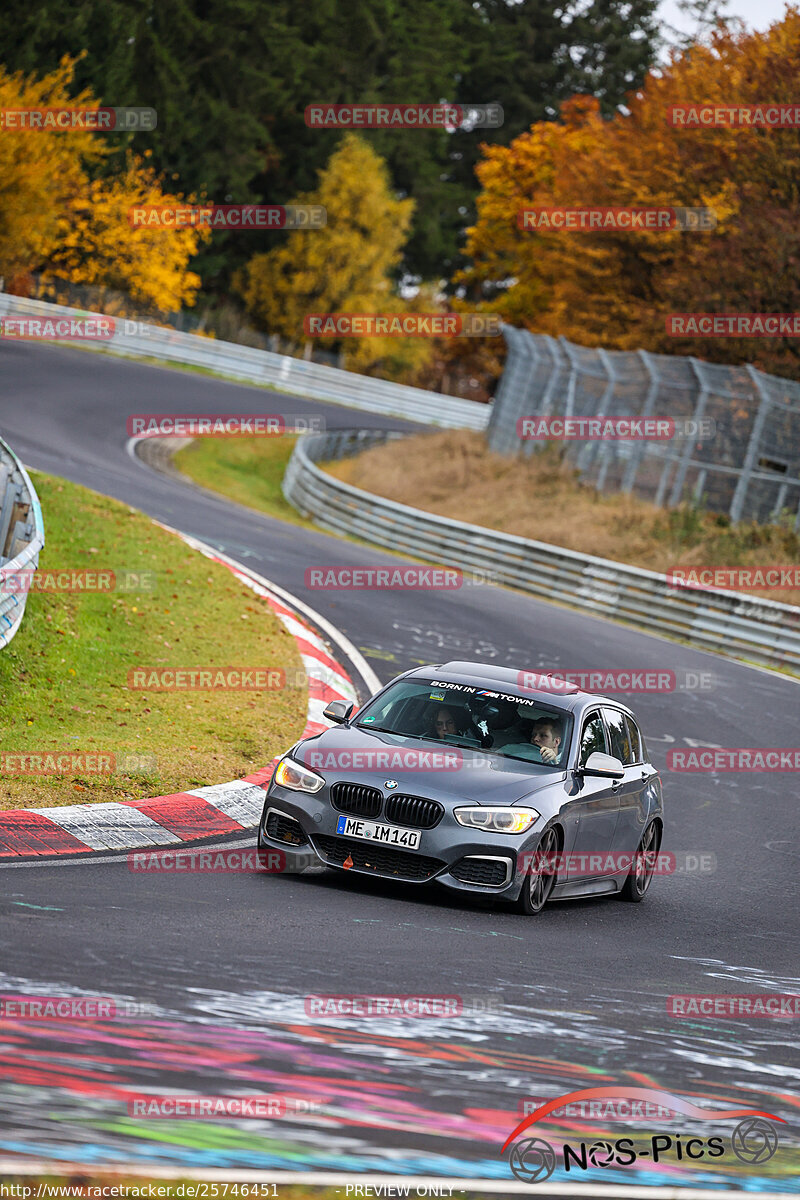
498,723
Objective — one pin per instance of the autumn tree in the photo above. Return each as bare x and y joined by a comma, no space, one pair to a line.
231,79
39,172
96,243
63,218
346,266
616,288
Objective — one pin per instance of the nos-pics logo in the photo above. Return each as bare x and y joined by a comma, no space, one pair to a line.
532,1160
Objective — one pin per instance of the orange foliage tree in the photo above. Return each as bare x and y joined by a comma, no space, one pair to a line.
616,288
62,218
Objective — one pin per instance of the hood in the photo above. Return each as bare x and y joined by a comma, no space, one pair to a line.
422,767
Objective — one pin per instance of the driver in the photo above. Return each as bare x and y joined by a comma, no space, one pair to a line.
544,744
546,737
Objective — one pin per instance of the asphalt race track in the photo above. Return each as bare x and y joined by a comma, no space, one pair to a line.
219,964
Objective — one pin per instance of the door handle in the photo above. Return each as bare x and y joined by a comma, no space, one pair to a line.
616,783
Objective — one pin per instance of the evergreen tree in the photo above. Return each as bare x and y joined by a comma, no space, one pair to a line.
231,79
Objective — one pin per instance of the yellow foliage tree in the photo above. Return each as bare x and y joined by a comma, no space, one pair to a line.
97,245
343,267
40,172
59,221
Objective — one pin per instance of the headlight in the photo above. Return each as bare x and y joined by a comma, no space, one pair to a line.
291,774
498,820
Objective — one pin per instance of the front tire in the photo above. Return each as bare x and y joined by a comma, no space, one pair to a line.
635,886
262,818
538,886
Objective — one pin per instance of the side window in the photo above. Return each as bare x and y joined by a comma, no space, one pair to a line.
592,738
618,733
635,739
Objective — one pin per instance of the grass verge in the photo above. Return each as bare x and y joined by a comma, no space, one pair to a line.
247,470
542,498
64,677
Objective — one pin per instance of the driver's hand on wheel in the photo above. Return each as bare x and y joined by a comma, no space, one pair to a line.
548,755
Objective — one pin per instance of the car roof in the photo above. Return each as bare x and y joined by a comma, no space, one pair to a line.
567,696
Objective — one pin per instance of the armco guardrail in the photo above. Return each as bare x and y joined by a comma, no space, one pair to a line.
21,537
729,623
138,340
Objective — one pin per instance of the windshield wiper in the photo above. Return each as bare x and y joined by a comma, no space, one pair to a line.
383,729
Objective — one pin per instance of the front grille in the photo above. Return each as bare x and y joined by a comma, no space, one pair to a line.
413,811
380,860
487,872
285,829
356,799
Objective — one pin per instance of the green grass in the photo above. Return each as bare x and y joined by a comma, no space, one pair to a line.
64,677
247,470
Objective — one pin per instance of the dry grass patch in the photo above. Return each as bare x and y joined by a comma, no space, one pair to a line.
454,474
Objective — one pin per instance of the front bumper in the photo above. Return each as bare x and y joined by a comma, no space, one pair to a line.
449,854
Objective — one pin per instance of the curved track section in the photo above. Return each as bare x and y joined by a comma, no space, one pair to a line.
223,962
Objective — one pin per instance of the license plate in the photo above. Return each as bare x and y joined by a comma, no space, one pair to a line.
372,831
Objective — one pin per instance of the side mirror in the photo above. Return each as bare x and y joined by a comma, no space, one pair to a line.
338,711
602,766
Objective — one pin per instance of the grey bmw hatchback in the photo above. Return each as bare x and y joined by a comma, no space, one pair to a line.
467,775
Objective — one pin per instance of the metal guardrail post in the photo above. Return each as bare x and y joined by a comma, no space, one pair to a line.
743,482
554,349
569,351
632,469
513,393
686,457
606,452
